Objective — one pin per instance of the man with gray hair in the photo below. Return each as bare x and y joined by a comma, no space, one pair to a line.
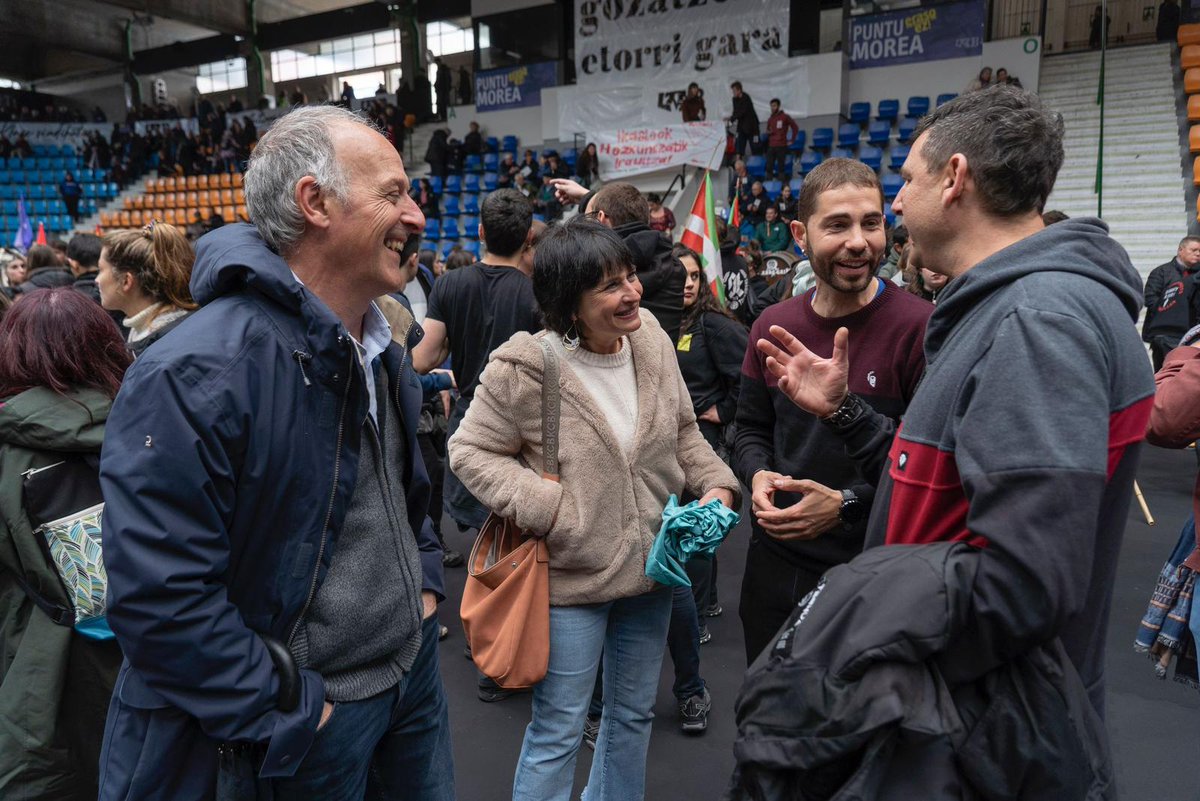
273,577
1022,439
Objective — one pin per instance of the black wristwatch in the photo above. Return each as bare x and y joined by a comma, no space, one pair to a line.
853,509
852,408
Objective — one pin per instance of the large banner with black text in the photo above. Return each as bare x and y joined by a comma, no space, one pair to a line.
632,151
933,33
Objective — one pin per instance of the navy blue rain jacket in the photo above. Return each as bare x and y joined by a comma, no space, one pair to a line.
228,465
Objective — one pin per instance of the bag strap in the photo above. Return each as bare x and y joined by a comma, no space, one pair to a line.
551,409
61,615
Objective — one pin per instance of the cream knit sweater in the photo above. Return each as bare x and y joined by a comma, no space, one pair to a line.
613,383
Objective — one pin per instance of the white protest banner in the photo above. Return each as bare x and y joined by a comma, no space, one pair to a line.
632,151
53,133
640,42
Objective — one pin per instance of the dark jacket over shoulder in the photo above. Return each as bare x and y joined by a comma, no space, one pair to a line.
661,274
230,459
851,700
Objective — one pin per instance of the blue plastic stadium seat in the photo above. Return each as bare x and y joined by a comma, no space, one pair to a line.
446,248
14,162
918,106
40,150
111,189
86,175
871,156
470,227
29,164
756,166
492,144
889,216
471,204
18,176
860,112
848,135
907,126
490,181
888,110
509,143
5,176
450,206
57,207
453,184
9,207
491,162
946,98
58,163
800,140
570,157
822,138
471,184
432,230
891,185
879,132
41,208
473,163
808,161
450,228
472,247
435,183
772,188
797,184
841,153
897,156
43,163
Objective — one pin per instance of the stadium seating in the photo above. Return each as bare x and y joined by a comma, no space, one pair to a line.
453,184
822,138
797,184
799,141
472,247
471,184
491,162
871,156
491,181
1191,81
891,185
492,144
450,228
860,112
1189,56
772,188
509,144
848,135
946,98
898,154
450,206
1194,138
432,230
435,183
471,204
756,166
1193,107
470,227
808,161
1196,172
905,130
841,153
473,163
879,132
918,107
888,110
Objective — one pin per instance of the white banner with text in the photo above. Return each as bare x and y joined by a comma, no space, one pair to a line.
633,151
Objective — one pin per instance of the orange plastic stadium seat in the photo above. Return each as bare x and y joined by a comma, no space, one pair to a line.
1194,139
1189,56
125,220
105,219
224,181
202,197
202,181
237,179
192,182
1188,35
229,213
193,199
226,197
1194,108
242,214
239,197
1191,81
1196,172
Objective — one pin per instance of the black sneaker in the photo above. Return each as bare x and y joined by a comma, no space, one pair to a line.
452,558
705,635
591,730
490,692
714,611
693,713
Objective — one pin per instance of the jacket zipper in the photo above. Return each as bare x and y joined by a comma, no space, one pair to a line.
34,470
337,468
301,357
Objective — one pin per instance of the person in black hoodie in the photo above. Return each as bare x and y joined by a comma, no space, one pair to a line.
437,154
45,270
745,118
734,274
624,209
1168,295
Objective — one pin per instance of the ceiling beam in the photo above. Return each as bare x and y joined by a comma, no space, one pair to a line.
221,16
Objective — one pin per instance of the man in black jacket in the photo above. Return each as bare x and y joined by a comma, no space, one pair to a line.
1168,290
624,209
745,118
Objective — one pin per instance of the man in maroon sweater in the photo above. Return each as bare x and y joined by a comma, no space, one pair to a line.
810,505
781,130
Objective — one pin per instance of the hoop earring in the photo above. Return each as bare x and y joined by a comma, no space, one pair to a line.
571,341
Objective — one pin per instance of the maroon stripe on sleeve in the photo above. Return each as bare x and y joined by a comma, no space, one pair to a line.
1127,427
928,503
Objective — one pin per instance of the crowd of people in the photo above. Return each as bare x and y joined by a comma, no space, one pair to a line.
289,408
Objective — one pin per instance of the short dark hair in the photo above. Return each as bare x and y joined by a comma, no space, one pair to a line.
777,101
426,258
830,174
85,249
572,258
1053,216
735,85
505,215
1188,239
622,204
900,236
1012,141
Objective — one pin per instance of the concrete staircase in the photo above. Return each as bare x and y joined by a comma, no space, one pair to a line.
1144,189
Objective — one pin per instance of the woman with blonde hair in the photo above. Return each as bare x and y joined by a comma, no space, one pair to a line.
145,273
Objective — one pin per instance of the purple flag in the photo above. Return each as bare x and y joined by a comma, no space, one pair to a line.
25,229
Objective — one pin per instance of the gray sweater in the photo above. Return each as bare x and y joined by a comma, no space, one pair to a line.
363,631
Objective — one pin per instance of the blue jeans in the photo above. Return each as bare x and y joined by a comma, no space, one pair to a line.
395,745
630,632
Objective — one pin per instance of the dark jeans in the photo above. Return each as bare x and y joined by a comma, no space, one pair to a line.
740,142
777,163
1160,346
395,745
432,455
683,642
459,503
771,588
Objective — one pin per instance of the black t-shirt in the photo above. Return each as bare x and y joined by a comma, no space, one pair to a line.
482,307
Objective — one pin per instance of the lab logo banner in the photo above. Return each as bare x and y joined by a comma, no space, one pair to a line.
638,42
952,30
632,151
513,87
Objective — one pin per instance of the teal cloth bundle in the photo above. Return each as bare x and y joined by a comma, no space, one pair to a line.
687,531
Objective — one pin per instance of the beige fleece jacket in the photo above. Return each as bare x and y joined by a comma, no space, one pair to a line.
607,507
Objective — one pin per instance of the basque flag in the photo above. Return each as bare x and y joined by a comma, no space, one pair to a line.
700,234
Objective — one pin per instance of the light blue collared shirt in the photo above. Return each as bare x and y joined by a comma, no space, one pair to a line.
377,335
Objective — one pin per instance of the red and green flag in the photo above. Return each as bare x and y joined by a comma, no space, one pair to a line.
700,234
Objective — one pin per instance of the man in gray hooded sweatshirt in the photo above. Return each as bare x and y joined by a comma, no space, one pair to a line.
1023,436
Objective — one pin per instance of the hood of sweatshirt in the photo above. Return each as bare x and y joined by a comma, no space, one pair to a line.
235,257
1080,246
